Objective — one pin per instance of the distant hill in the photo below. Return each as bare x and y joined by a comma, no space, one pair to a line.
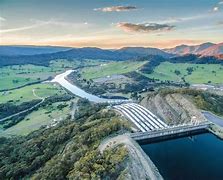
81,53
220,56
186,49
94,53
205,49
214,50
127,53
141,51
29,50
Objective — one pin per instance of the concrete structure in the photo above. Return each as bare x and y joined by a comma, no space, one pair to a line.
143,119
171,132
154,129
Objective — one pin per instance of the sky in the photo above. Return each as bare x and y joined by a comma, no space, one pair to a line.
110,23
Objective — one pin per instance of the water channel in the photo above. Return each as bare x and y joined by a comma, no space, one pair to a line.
61,79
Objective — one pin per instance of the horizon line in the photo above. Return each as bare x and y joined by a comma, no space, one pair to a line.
64,46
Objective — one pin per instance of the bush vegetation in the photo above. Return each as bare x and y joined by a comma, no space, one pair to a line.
202,99
66,151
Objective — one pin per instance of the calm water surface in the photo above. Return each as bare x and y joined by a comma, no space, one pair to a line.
196,158
61,79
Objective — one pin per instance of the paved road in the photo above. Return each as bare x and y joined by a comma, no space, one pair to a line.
213,118
26,110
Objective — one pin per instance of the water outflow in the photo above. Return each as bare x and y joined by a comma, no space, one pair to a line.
81,93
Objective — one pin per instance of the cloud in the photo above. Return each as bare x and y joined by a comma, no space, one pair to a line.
215,9
116,8
2,19
183,19
22,28
40,23
144,28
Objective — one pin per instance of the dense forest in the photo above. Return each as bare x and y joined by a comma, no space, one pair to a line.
68,150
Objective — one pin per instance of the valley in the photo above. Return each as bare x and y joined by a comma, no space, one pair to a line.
190,73
73,100
111,90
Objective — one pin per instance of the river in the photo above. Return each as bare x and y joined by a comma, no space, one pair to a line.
79,92
195,158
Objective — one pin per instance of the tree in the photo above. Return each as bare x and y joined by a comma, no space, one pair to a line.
177,72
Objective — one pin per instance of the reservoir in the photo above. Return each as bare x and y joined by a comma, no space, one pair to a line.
189,158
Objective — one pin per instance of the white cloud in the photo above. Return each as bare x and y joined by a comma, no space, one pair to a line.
116,8
2,19
215,9
23,27
144,28
175,20
39,23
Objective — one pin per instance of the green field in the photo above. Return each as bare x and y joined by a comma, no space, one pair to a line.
36,119
111,68
202,73
19,75
26,93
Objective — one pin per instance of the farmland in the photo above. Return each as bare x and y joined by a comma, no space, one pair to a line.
192,73
44,116
20,75
111,68
25,94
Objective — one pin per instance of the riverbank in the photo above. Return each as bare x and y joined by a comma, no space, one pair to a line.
216,130
61,79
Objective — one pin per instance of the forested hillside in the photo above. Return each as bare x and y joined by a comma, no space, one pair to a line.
68,150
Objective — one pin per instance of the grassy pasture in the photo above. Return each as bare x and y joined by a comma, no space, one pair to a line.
26,93
202,73
111,68
15,76
43,116
19,75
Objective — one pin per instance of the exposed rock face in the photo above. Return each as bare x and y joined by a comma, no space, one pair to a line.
173,108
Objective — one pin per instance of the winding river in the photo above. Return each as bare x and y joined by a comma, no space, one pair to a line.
61,79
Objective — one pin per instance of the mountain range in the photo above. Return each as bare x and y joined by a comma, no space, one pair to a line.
30,50
42,55
205,49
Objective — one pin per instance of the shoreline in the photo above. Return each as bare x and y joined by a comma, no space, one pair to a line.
61,79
